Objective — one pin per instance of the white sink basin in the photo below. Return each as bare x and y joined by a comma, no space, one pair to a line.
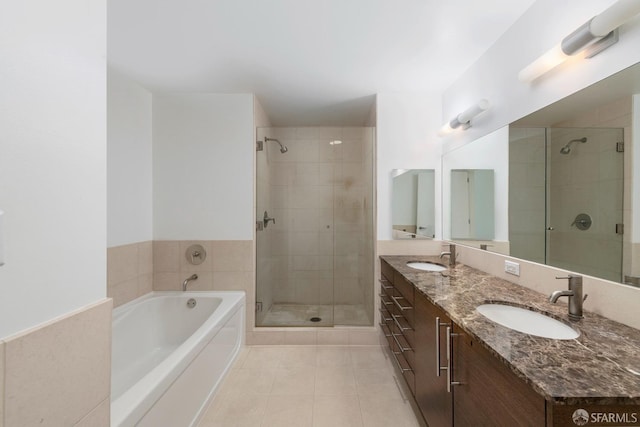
426,266
527,321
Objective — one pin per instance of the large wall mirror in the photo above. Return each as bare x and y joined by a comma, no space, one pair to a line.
474,177
472,204
413,203
573,199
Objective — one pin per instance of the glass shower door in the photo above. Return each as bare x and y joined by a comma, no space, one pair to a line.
295,250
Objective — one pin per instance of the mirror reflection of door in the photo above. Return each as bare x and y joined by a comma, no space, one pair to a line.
472,204
413,203
426,214
460,206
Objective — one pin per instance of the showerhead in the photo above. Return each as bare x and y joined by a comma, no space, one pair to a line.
567,148
283,148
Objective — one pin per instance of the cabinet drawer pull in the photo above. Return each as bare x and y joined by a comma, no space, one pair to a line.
403,370
400,346
401,307
402,328
439,368
382,315
450,381
384,326
382,299
384,286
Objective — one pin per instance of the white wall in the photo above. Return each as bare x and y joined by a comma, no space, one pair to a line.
495,75
53,161
488,152
203,167
129,175
406,139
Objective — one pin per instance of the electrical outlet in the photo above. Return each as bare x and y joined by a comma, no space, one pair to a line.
512,268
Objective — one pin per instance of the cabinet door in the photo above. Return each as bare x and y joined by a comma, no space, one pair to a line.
489,394
431,394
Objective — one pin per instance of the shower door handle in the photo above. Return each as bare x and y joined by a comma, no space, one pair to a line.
266,219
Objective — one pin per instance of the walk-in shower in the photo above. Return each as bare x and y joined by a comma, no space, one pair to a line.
567,148
315,254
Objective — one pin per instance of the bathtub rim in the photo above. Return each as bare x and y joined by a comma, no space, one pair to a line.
134,403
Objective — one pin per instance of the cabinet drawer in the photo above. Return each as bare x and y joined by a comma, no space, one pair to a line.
386,286
385,316
387,289
402,308
386,330
509,401
403,346
387,302
403,327
405,368
403,286
387,271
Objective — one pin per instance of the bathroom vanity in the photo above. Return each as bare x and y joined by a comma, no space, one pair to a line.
466,370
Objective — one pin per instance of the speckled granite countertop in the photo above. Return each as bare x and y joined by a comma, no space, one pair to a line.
601,366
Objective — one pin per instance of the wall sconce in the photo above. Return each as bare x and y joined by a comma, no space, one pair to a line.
463,119
592,37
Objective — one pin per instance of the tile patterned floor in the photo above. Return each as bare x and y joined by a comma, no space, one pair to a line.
316,386
299,315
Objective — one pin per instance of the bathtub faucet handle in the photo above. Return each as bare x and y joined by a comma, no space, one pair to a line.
187,280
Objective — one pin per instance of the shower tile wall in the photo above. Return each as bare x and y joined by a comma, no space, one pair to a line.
617,114
129,271
139,268
227,267
317,192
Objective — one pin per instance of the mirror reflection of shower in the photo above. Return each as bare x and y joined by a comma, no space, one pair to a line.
283,148
567,148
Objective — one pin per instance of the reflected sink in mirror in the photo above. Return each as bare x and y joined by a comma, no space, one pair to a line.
527,321
426,266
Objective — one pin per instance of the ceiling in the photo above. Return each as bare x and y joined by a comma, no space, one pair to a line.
309,62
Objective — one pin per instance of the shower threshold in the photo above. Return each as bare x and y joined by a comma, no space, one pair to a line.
328,315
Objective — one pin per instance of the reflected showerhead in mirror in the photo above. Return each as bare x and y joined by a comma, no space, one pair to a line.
567,148
283,148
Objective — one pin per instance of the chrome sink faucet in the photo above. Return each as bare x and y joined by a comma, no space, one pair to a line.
451,254
575,296
187,280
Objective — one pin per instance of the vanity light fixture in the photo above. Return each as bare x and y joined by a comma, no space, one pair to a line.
463,120
591,38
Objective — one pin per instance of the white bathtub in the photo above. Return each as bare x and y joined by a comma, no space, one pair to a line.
168,359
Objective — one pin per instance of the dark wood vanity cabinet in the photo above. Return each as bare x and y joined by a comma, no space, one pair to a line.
484,391
398,320
432,397
488,393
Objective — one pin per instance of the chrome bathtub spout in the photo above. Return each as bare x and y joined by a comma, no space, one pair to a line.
187,280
